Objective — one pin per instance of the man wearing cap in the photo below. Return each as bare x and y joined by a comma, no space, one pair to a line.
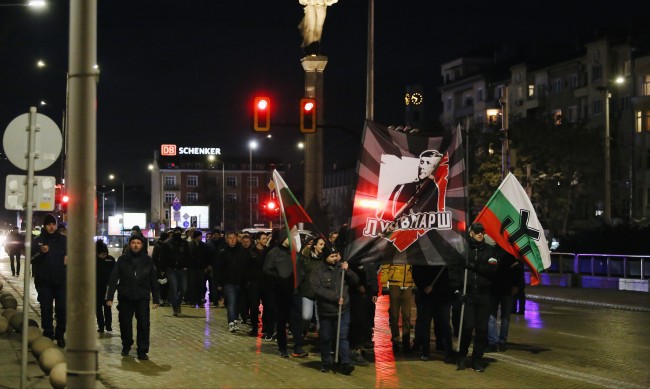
475,279
135,278
49,257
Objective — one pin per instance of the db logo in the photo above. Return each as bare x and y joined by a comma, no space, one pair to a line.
168,150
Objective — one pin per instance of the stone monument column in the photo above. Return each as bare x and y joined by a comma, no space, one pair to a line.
314,65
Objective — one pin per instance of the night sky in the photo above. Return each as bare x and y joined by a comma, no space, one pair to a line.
186,72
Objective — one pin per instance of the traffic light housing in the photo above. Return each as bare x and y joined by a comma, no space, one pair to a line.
307,115
271,207
262,114
64,203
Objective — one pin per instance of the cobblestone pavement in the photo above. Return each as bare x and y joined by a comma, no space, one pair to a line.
555,344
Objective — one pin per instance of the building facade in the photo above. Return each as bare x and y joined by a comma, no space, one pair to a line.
232,193
603,74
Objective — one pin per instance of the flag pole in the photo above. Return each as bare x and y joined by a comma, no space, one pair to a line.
338,327
462,312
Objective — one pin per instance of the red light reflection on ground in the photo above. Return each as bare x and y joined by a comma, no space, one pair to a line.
385,368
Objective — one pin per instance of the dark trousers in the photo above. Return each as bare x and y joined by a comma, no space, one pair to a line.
14,255
269,311
370,315
252,304
358,322
103,312
327,333
50,296
519,301
195,286
289,311
475,319
127,309
441,327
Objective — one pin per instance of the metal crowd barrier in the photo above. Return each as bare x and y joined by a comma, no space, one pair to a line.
605,265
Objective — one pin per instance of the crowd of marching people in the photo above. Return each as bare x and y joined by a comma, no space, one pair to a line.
317,297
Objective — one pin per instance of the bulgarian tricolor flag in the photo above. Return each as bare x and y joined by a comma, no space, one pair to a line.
292,214
509,219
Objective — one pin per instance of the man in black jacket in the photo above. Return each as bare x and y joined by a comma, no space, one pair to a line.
49,257
326,283
174,258
504,287
105,265
14,246
230,263
480,268
136,279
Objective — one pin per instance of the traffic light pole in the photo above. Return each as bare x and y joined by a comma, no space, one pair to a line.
314,66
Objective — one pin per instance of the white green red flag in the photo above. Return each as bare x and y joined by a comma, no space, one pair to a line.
509,219
292,214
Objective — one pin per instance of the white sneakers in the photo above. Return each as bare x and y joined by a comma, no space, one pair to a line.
232,326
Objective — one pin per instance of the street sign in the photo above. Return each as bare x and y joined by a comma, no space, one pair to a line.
177,216
47,142
15,195
176,204
186,224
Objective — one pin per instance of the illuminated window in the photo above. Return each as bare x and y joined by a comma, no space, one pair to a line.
646,86
642,121
557,116
531,90
192,181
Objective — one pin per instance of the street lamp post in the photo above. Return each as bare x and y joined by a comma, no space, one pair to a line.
251,145
112,177
607,207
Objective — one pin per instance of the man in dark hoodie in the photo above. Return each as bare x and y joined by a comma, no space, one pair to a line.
136,279
279,269
49,257
105,264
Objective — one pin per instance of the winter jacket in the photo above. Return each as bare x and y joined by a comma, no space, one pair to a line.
199,255
507,275
175,254
326,283
424,275
307,265
278,264
49,268
481,267
396,275
135,277
231,262
104,269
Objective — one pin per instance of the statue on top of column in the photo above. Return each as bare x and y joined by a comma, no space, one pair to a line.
311,26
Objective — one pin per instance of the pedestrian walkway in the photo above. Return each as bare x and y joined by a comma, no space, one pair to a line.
195,350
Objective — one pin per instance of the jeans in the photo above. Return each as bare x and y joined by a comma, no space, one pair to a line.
505,302
231,294
308,312
177,280
328,332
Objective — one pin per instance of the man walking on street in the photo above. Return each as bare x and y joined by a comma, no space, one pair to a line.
49,258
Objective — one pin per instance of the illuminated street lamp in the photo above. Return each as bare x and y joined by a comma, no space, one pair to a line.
36,4
112,177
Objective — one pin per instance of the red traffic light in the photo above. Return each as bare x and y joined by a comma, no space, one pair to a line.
307,115
271,205
65,199
262,114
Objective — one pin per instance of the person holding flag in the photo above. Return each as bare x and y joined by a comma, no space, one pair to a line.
330,281
472,282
